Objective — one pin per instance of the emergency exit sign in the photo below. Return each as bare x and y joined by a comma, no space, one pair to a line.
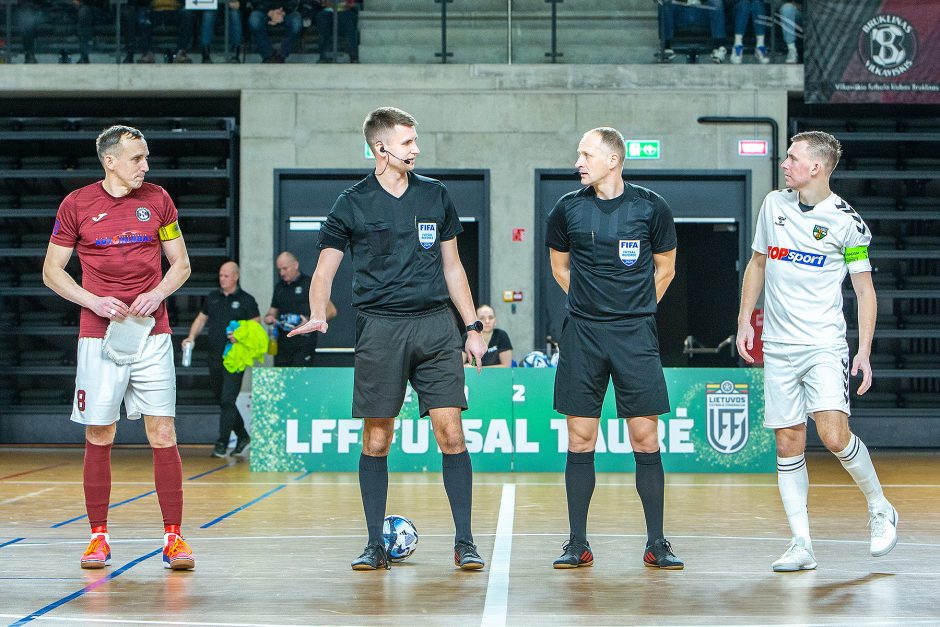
642,149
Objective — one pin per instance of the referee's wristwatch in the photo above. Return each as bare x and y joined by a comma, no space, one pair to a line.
476,326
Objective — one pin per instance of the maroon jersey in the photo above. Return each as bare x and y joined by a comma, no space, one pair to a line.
118,241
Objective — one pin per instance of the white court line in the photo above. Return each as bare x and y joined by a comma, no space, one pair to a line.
497,588
857,621
354,481
25,496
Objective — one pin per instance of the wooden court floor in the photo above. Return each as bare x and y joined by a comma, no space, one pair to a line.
274,549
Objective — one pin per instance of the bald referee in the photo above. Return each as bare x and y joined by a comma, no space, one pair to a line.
401,230
613,251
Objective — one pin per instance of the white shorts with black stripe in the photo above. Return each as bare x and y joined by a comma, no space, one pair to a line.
801,379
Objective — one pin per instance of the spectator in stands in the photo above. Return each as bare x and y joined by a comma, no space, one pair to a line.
346,15
27,16
290,13
755,11
791,22
207,29
89,12
142,17
498,347
679,13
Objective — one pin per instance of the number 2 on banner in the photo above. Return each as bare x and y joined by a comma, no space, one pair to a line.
80,399
518,393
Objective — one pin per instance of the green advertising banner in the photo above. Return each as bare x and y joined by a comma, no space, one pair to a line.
301,420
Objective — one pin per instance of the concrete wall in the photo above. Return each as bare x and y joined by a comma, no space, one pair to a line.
510,119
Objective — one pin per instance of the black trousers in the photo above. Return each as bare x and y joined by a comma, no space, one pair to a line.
294,354
226,386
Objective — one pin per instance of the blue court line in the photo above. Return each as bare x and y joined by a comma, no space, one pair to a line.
209,472
13,541
309,472
241,507
130,500
88,588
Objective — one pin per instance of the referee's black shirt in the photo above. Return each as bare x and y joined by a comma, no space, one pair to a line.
222,309
395,243
612,243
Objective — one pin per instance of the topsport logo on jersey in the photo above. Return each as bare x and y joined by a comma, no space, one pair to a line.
796,256
887,45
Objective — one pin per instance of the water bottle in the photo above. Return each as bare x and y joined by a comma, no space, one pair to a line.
187,359
272,340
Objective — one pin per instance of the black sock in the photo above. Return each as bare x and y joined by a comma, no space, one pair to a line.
579,486
651,485
373,483
458,483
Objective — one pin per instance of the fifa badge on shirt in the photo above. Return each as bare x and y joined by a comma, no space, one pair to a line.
820,232
427,234
298,290
143,214
235,304
629,251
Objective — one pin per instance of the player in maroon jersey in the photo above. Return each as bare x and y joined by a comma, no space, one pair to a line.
119,227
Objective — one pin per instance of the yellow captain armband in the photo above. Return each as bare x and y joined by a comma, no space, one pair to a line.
857,253
172,231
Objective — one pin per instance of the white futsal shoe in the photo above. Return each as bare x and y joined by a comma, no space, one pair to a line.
884,531
798,556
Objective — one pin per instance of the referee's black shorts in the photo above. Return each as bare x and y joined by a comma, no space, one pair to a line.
423,348
591,353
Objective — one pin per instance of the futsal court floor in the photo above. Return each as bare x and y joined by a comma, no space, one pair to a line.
275,548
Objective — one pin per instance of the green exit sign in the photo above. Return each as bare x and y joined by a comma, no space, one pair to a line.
642,149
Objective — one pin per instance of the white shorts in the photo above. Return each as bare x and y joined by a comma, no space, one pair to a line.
802,379
147,386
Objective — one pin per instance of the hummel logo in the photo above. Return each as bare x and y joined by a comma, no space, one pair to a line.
99,217
780,220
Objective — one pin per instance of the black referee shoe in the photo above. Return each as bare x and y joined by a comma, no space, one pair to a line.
372,558
240,445
574,554
660,555
220,449
466,556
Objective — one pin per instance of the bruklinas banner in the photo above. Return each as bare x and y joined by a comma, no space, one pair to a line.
885,51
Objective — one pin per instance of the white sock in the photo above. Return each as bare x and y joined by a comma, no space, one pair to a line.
793,481
739,40
760,41
856,460
791,47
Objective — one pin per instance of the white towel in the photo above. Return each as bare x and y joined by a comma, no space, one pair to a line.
124,340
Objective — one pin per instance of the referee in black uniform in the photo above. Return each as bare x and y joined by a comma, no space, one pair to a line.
290,307
613,251
401,232
221,306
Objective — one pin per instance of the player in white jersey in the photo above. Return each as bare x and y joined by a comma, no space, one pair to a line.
807,240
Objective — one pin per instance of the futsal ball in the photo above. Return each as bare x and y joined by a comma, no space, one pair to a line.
536,359
401,537
554,359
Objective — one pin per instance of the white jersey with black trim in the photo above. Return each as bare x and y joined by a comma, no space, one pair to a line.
808,255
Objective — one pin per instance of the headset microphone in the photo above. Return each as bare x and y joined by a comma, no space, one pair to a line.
389,152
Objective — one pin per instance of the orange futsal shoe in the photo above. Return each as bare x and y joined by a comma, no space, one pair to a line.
98,553
176,553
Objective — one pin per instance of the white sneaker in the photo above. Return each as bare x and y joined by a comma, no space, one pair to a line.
719,54
792,56
737,55
884,531
798,556
761,54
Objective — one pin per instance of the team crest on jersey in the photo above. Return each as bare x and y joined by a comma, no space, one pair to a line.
427,234
727,407
820,232
235,304
143,214
298,290
629,251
